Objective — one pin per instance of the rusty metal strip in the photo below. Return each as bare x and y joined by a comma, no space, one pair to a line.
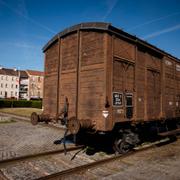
169,133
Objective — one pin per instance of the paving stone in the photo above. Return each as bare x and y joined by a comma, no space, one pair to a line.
21,138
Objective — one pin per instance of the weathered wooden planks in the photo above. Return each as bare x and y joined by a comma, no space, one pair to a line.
89,64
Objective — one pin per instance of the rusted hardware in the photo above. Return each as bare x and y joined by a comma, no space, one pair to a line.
63,115
86,124
73,125
35,118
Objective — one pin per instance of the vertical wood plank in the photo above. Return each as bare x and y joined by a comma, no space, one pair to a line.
145,89
78,72
162,101
58,78
135,85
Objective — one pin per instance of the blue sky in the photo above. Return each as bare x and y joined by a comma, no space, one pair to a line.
27,25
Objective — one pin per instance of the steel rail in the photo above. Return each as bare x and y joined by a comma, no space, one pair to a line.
85,167
5,162
2,176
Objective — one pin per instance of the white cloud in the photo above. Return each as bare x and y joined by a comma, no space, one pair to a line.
20,45
25,16
110,8
154,20
163,31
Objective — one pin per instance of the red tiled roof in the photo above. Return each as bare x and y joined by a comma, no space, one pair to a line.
35,73
23,74
10,72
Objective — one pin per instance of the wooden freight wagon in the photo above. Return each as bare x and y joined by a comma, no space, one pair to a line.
104,78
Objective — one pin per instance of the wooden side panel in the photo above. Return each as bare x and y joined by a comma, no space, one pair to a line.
109,81
153,81
68,76
69,52
91,98
118,86
177,86
153,62
140,84
118,76
92,51
50,80
169,88
123,82
153,94
92,78
129,80
123,49
123,76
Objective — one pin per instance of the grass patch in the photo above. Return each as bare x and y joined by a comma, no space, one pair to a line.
21,111
7,121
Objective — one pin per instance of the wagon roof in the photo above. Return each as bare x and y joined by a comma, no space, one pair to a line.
108,28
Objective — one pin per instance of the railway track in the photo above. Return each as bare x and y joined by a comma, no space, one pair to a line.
6,162
67,168
88,166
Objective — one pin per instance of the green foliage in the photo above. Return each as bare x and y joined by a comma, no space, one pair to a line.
36,104
20,103
5,103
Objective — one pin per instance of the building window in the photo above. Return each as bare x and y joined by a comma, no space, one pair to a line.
11,85
11,93
16,86
12,78
2,85
15,93
1,77
7,78
5,94
6,86
1,92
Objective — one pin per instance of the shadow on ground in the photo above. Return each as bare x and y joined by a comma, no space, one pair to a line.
93,142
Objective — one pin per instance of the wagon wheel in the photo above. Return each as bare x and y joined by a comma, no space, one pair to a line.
34,118
73,125
121,146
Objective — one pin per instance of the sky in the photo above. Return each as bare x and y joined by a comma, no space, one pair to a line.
27,25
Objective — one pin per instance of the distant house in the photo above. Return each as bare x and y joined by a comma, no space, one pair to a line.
9,83
36,80
23,85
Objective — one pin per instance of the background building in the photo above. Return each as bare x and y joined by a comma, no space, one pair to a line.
36,79
24,84
9,83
